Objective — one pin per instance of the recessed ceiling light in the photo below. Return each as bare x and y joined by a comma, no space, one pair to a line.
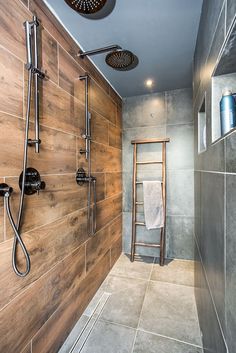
149,83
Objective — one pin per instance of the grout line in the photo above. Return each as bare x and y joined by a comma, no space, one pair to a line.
211,295
170,338
92,327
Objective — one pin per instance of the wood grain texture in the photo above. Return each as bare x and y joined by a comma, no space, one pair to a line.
115,136
102,103
11,83
60,110
105,159
69,73
27,349
2,210
46,304
113,184
116,229
47,246
65,40
99,128
57,152
119,115
39,302
49,55
116,250
61,196
52,335
108,210
97,246
12,33
25,2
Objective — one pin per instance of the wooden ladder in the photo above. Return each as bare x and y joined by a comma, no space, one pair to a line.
135,224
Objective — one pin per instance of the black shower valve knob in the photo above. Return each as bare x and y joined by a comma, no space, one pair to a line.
5,190
33,182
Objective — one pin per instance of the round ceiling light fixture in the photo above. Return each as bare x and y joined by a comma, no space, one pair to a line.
149,83
86,6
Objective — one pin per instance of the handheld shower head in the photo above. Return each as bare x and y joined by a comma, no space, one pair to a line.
86,6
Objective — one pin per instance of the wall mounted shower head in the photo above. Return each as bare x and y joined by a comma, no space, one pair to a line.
117,58
121,60
86,6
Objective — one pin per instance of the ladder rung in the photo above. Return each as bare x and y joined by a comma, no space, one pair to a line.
141,182
148,245
139,203
150,162
140,223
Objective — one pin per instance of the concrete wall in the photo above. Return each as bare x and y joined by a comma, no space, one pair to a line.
167,114
215,195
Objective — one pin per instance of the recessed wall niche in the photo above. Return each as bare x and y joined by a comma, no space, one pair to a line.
202,127
223,78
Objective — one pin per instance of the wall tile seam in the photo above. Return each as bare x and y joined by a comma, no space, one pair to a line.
56,310
158,126
64,30
4,48
210,48
80,102
211,295
83,69
107,225
59,218
45,274
125,99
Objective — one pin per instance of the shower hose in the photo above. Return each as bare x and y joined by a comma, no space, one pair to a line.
16,228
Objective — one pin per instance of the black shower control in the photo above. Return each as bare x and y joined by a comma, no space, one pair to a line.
4,188
33,182
82,178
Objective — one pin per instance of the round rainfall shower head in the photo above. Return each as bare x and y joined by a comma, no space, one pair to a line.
121,60
86,6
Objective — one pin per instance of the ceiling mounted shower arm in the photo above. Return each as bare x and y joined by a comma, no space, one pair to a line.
99,51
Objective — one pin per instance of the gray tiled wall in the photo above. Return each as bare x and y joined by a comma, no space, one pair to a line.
167,114
215,196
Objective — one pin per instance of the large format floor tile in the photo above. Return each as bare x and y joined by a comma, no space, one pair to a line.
149,343
140,308
170,310
125,303
174,271
109,338
141,268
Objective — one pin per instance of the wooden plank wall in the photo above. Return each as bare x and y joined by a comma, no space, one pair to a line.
38,312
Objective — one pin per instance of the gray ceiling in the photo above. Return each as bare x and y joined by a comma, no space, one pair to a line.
162,33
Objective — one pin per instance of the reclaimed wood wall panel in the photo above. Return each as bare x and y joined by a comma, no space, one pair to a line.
47,246
61,196
40,309
49,55
115,136
101,104
12,35
11,83
39,302
113,184
52,335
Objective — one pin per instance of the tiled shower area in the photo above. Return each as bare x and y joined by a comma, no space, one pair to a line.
117,176
139,308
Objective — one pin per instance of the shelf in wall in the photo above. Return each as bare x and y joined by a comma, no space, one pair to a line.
224,77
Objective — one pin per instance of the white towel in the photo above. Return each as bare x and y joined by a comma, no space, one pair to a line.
153,204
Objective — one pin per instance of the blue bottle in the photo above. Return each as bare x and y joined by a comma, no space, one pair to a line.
227,111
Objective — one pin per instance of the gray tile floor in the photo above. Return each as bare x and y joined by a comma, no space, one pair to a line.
140,308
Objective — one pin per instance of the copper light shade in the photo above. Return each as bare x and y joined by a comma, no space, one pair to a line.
121,60
86,6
